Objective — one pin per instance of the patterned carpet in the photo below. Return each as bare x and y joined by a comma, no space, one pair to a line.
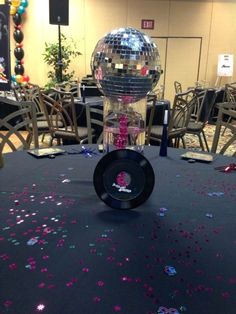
192,142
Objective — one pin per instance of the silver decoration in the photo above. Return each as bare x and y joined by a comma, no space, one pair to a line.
126,65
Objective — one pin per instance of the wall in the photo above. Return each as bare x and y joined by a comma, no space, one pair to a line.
213,20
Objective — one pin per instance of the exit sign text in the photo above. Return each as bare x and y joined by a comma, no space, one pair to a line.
147,24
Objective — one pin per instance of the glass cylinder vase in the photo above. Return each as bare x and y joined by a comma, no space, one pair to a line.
124,125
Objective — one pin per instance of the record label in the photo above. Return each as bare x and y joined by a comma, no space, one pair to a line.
123,179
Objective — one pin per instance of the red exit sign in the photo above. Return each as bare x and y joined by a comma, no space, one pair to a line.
147,24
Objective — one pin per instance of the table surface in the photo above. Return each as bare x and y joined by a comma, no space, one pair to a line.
64,251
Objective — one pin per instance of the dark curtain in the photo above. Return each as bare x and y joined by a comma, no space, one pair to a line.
5,68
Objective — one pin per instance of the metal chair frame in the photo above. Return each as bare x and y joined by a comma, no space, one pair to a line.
59,108
23,118
94,117
225,109
178,119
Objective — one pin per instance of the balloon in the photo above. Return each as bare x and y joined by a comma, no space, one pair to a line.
21,9
16,3
17,19
19,69
18,35
19,45
13,78
19,53
24,3
12,10
19,78
26,78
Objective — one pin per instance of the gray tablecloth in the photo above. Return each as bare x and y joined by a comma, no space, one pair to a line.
64,251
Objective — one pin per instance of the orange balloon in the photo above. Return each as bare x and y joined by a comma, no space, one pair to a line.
19,45
19,78
13,10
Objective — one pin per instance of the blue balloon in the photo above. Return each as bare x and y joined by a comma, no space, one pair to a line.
13,78
21,9
24,3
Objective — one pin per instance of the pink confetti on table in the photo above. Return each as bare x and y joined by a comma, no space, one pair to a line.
13,266
7,303
69,284
117,308
96,299
225,295
232,281
4,257
100,283
51,286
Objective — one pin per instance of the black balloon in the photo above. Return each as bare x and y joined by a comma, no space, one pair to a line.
19,53
17,19
18,35
19,69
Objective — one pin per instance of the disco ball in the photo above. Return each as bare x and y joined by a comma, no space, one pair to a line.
126,65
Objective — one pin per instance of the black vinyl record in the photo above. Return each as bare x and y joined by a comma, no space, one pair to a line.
123,179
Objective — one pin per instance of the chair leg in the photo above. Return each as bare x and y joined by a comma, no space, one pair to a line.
51,141
216,137
176,142
228,121
201,142
183,142
43,136
29,139
205,140
226,146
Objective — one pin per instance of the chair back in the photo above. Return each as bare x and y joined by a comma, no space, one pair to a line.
69,87
227,112
158,91
151,101
181,112
94,117
60,112
29,92
198,105
230,93
178,87
23,118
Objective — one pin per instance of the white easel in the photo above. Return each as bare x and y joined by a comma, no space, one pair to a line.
224,67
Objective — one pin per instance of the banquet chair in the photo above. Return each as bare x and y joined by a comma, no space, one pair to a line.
70,87
178,87
226,118
159,91
230,92
151,102
199,117
178,120
94,117
229,96
14,125
59,108
30,92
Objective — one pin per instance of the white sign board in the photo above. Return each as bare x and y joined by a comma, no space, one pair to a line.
225,65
